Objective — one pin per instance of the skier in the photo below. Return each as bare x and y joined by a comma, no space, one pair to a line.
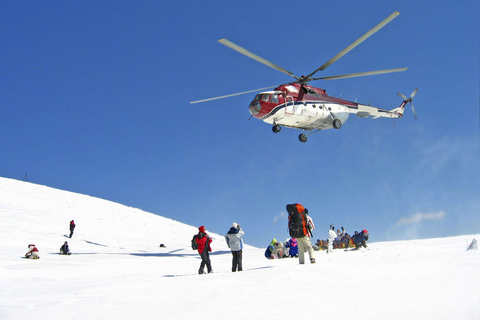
32,252
235,243
72,227
64,249
203,247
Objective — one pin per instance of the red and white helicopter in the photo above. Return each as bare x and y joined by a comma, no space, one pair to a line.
298,105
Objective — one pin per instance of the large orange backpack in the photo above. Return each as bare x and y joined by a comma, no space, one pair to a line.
297,222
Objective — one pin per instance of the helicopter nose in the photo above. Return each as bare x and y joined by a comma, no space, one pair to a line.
255,107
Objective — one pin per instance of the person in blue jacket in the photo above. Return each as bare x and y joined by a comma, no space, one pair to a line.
293,246
360,239
269,251
235,243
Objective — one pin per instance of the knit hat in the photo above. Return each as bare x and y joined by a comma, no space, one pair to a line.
235,225
201,229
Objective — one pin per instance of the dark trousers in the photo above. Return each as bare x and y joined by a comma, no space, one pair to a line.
237,260
360,244
205,262
71,232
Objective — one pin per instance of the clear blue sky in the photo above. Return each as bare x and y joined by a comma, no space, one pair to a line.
95,99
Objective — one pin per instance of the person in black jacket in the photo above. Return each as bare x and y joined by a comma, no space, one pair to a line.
360,239
64,249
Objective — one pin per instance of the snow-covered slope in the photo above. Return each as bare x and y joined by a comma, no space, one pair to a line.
118,270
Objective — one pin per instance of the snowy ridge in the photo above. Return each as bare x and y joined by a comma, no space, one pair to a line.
118,270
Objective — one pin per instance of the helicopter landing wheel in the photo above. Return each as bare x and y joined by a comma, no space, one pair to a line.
302,138
276,128
337,124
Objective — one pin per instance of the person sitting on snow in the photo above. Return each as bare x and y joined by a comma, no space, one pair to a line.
64,249
286,249
320,245
268,252
346,240
360,239
293,248
32,252
277,252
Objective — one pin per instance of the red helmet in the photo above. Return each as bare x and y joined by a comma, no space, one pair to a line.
365,231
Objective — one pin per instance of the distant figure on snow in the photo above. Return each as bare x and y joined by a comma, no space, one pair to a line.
203,246
271,246
293,248
64,249
72,227
286,249
331,237
235,243
277,252
360,239
32,252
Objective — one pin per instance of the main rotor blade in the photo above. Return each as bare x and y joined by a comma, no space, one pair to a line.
414,93
403,96
356,43
231,95
413,110
243,51
360,74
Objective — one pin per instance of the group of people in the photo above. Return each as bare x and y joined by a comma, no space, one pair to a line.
300,227
341,239
33,252
234,241
277,249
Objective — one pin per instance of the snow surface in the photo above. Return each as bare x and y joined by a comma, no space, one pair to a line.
119,271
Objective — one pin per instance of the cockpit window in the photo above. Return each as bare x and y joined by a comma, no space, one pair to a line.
274,98
258,97
266,97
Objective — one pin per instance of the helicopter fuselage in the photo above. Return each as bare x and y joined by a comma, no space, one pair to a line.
302,107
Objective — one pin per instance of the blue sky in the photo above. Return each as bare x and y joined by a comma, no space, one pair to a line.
95,99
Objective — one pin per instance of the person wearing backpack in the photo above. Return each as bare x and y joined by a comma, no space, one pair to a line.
235,243
300,226
203,246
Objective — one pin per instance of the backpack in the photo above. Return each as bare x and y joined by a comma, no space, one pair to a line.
194,242
297,222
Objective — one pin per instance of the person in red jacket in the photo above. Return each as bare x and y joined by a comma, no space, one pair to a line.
203,247
32,252
72,227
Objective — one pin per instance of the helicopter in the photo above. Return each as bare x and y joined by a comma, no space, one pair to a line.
301,106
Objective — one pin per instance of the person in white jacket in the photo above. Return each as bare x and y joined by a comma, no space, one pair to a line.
304,243
235,243
32,252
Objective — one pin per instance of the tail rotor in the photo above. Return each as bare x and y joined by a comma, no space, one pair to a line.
410,100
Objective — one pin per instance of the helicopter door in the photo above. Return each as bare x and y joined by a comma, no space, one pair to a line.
289,105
